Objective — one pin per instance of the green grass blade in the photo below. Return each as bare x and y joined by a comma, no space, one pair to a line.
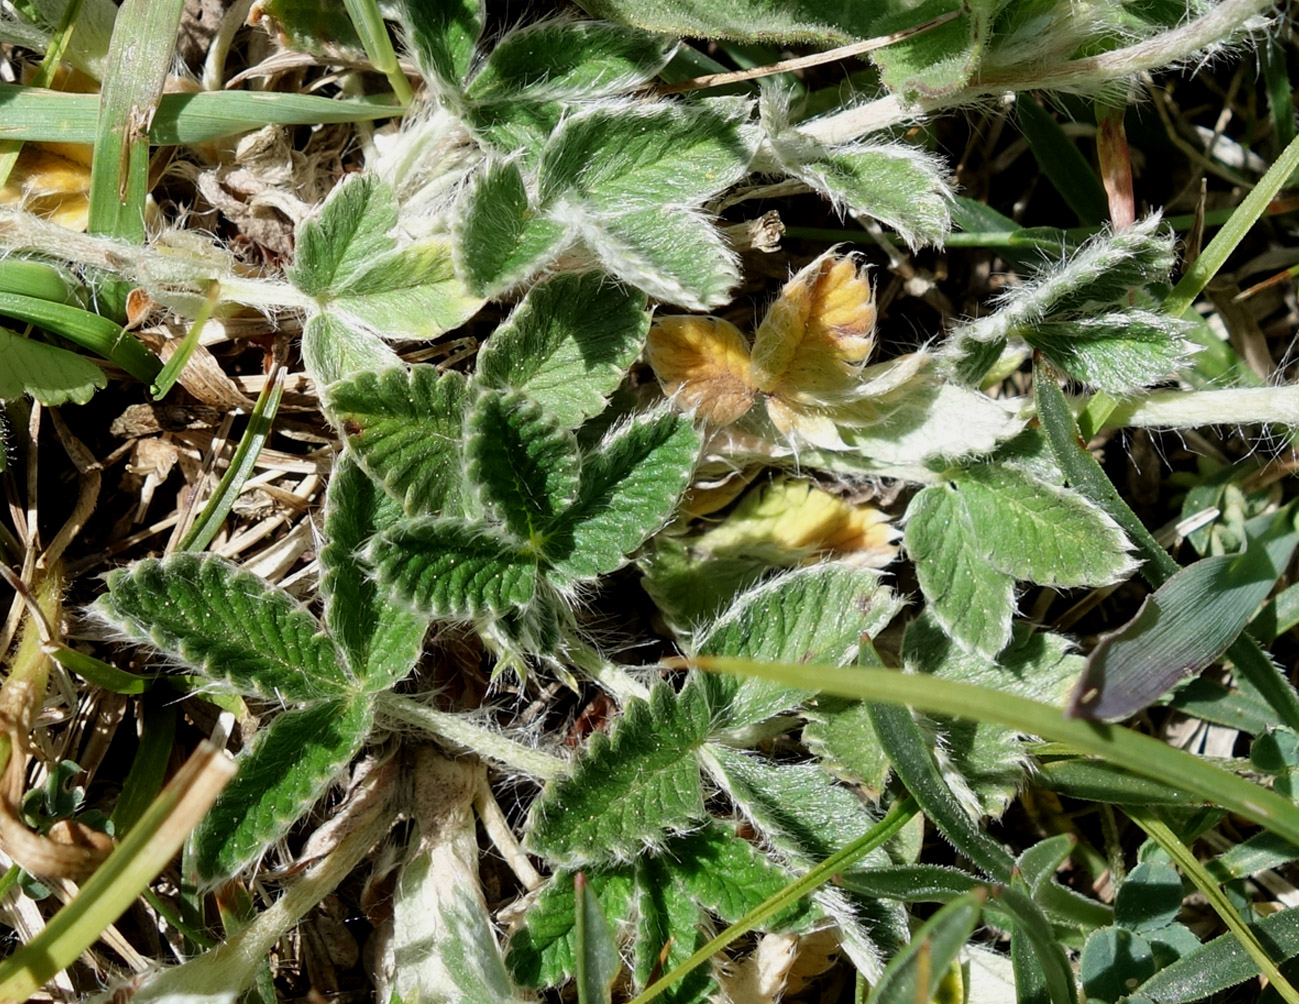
181,353
98,334
369,25
1139,753
1062,162
139,58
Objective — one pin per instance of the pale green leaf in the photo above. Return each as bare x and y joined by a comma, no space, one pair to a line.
500,239
542,951
648,154
405,428
627,789
568,344
51,375
524,464
451,568
410,293
1118,353
673,254
225,624
629,488
598,962
972,600
814,614
382,642
1040,532
283,772
333,350
443,36
350,232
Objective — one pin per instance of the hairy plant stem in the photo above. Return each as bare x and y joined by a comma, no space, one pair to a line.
457,729
1164,49
1178,409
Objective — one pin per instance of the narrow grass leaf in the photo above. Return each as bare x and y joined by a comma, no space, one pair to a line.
225,624
525,466
912,758
283,772
1037,867
47,373
817,614
1052,961
381,642
598,961
543,951
500,238
1185,624
667,932
568,344
629,788
629,488
915,973
405,429
972,600
450,568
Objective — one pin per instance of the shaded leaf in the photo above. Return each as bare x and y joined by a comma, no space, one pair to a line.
47,373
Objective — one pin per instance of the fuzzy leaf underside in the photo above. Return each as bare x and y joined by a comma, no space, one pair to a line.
543,951
626,789
350,232
970,598
568,344
225,624
500,238
405,430
51,375
443,36
450,568
333,350
816,614
524,464
413,292
381,641
285,770
1040,532
629,488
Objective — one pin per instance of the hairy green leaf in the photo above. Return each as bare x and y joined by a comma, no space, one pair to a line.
629,487
1040,532
281,775
381,642
501,239
568,344
227,625
941,60
542,951
443,35
971,599
598,962
843,738
626,789
51,375
728,876
405,427
819,22
453,568
349,234
667,931
1118,353
408,293
333,350
524,464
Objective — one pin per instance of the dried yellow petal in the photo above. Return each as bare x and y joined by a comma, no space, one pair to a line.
703,365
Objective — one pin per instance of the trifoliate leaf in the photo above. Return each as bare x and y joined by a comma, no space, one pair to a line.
542,951
567,345
405,429
225,624
443,36
453,568
627,789
703,365
382,642
1040,532
410,293
344,240
524,464
1118,353
500,239
675,255
816,614
629,487
647,155
970,598
281,775
333,350
51,375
